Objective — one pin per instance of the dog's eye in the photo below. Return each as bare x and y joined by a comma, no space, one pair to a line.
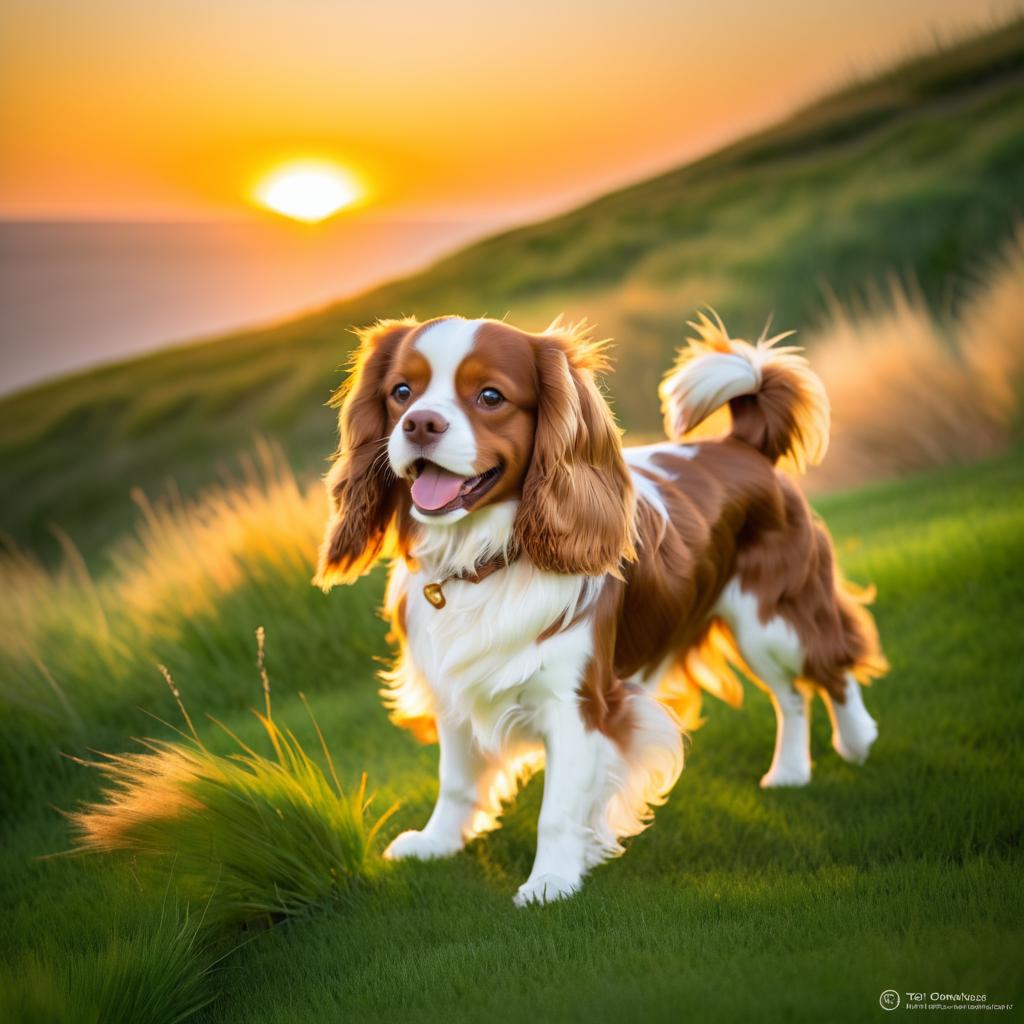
491,397
401,393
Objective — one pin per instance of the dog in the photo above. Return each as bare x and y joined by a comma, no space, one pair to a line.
557,599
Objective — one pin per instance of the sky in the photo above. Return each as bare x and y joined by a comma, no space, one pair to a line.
174,109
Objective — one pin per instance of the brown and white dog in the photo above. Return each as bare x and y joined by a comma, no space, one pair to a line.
557,599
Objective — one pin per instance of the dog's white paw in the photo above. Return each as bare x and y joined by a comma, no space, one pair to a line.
545,889
854,744
419,846
780,776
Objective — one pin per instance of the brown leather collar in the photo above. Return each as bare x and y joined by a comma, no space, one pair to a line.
434,592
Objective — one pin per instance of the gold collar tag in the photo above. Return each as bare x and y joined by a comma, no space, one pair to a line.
434,594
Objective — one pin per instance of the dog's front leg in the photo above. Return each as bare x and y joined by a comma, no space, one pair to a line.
575,785
463,770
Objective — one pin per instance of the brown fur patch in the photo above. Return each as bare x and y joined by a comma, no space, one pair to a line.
576,516
501,358
785,416
684,563
790,567
729,514
602,692
360,484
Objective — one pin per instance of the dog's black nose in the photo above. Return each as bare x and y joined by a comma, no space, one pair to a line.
424,427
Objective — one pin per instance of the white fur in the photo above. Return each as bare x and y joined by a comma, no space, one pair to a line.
854,731
701,385
653,763
774,654
450,550
579,768
444,345
505,703
714,369
641,457
647,490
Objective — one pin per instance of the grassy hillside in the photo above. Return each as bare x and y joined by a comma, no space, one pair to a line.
918,172
741,904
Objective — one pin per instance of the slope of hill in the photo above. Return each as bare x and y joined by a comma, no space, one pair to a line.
751,906
918,172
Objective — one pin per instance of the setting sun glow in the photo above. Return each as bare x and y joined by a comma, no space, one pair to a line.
308,192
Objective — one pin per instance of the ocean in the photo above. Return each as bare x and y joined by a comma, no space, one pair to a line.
77,294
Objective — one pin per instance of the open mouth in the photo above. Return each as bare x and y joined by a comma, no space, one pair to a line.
436,491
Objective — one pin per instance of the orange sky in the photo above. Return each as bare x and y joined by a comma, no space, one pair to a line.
169,108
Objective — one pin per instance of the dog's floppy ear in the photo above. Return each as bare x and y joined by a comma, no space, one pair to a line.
576,514
360,485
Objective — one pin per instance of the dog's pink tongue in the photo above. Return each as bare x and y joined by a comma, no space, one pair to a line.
435,487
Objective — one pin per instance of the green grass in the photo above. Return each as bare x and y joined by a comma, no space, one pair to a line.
250,837
737,904
917,172
157,972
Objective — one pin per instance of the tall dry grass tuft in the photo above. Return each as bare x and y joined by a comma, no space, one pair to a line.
186,588
993,321
249,836
909,393
902,396
185,555
182,558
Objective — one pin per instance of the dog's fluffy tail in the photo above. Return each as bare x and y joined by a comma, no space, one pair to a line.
777,403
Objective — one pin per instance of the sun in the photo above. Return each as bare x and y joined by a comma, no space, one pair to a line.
309,191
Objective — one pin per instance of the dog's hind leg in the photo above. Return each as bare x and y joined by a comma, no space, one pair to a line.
853,729
772,652
791,762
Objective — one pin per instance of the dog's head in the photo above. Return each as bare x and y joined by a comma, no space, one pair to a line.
442,420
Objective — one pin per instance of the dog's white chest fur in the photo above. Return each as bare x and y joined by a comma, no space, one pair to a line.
480,654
